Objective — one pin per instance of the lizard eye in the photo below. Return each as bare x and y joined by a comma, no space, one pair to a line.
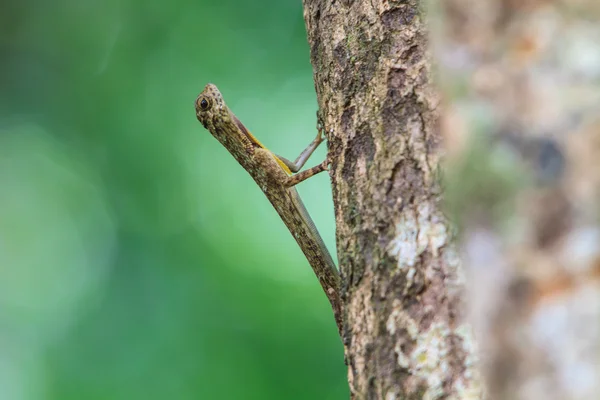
203,104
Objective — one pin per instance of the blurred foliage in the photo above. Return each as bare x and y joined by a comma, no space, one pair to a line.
137,259
483,183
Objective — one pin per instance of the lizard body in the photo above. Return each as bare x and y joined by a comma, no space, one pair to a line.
272,174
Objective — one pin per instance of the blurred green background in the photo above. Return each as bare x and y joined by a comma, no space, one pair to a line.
137,259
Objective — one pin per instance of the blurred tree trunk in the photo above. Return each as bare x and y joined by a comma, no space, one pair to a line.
522,79
405,335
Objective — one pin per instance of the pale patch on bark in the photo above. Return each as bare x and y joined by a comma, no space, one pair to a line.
390,396
417,232
399,319
470,387
427,359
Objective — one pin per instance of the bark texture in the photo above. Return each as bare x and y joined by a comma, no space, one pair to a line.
522,79
405,335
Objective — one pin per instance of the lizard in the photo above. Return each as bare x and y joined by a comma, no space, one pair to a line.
273,174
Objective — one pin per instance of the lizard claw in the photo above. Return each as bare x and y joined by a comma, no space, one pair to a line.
320,125
327,162
319,137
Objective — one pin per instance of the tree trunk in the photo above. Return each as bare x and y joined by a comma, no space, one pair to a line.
405,334
523,83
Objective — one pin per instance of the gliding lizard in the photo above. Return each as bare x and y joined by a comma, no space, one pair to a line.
272,173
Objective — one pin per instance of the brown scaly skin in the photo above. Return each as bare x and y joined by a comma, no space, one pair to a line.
266,170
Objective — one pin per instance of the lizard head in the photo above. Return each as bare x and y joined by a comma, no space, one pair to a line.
209,104
214,115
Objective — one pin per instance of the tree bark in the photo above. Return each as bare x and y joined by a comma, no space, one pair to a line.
523,83
405,334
